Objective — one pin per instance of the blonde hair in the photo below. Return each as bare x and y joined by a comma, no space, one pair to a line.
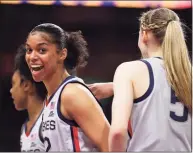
167,29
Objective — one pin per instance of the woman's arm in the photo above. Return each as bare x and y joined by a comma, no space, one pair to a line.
102,90
121,109
82,107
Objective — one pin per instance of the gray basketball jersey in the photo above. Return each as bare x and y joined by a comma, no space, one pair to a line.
59,133
159,121
30,142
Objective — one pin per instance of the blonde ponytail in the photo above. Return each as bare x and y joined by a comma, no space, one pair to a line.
177,63
167,29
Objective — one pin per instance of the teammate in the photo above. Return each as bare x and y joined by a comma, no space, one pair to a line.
156,91
146,90
28,95
73,119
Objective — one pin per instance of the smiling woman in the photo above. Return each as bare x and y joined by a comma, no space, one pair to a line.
70,107
40,47
52,49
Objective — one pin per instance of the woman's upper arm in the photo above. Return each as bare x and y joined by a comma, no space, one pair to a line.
82,107
123,96
125,78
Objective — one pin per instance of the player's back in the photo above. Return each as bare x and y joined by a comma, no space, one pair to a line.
159,121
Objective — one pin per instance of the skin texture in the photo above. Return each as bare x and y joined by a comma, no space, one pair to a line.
17,91
102,90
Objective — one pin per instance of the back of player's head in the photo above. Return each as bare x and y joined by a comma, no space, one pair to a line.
158,20
169,33
21,66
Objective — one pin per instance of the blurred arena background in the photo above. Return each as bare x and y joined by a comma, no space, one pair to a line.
110,28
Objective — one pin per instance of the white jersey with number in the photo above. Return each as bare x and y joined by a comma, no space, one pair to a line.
30,142
159,121
59,133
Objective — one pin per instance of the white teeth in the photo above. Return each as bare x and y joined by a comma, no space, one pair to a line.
35,66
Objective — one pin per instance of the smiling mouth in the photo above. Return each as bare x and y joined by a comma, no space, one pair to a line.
36,68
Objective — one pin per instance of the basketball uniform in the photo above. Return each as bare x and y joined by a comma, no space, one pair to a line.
159,121
30,142
59,133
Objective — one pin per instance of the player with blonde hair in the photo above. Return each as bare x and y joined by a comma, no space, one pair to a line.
155,92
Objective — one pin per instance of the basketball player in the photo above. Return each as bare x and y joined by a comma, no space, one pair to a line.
155,91
73,119
28,95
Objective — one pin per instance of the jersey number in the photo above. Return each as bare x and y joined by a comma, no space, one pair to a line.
48,142
173,115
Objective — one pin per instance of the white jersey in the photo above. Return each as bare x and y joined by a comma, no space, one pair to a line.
30,142
159,121
59,133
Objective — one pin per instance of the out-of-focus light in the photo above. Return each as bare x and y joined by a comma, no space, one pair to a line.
177,4
41,2
129,4
69,3
154,4
92,3
124,4
10,1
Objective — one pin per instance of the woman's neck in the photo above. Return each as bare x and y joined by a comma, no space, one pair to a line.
155,52
34,107
54,81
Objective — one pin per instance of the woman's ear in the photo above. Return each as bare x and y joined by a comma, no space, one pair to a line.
62,55
27,85
144,36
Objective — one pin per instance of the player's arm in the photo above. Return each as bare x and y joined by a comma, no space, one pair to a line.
121,108
102,90
84,109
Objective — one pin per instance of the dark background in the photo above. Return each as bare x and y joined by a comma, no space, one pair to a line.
111,33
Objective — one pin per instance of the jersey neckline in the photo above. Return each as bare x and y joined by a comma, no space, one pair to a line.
48,99
25,124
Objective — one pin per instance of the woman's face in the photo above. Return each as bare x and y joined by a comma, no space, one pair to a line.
18,92
41,56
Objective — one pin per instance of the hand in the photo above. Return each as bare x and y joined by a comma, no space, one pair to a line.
101,90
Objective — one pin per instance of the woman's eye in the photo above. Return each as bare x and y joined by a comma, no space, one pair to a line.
42,50
28,50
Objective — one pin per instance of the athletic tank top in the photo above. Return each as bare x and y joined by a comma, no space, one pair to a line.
59,133
159,121
30,142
